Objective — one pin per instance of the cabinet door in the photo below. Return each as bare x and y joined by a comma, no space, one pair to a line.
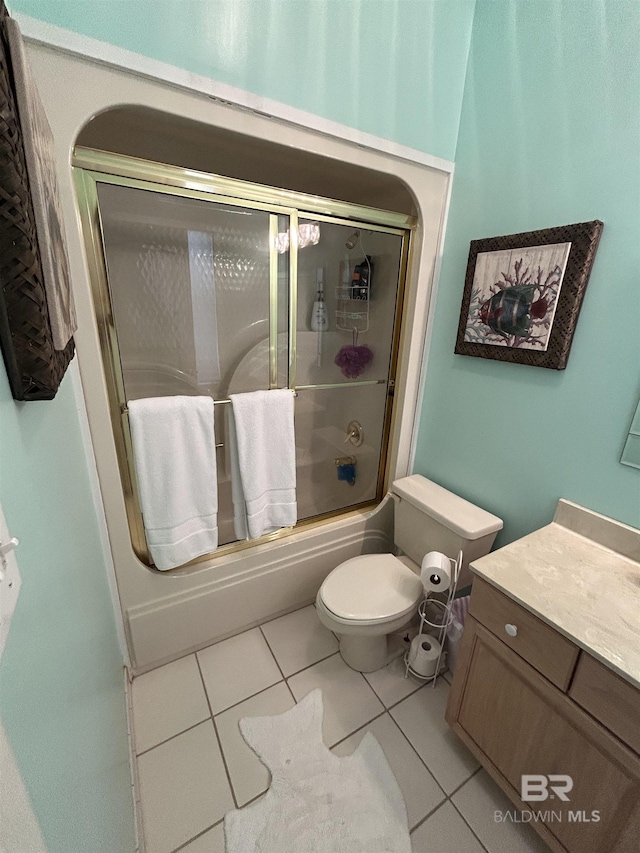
517,723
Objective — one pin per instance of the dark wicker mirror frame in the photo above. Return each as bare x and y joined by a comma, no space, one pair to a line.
35,369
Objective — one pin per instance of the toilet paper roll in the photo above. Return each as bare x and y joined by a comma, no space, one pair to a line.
435,572
423,655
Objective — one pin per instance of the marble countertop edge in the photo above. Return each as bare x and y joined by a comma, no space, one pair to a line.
584,589
578,641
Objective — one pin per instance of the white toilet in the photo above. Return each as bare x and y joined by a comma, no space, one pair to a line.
365,599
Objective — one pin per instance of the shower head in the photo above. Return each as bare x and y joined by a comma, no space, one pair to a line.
352,242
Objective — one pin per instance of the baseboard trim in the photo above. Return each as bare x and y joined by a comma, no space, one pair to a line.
133,765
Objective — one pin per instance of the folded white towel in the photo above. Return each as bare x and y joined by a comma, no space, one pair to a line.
263,476
174,449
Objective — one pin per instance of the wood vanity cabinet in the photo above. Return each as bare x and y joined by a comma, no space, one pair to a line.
525,700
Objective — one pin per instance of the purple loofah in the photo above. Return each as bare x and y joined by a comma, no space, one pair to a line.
353,360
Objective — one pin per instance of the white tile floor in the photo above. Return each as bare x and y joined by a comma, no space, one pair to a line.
193,765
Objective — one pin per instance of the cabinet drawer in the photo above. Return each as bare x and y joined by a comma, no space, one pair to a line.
540,645
609,698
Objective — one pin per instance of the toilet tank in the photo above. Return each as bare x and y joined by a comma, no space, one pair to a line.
428,517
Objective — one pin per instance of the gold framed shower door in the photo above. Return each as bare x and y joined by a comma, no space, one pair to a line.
91,167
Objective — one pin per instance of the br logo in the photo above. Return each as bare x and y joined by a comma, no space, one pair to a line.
536,787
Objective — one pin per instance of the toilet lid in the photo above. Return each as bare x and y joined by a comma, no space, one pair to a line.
374,586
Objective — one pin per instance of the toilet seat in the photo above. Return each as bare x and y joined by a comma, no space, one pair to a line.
371,589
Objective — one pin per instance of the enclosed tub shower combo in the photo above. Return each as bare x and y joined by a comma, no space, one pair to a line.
205,293
208,279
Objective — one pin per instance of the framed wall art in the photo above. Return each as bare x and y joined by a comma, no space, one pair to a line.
523,294
37,318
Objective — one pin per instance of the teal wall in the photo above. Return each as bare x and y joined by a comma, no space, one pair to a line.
394,68
549,135
62,697
365,63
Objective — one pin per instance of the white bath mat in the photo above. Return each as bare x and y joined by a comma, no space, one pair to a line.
317,802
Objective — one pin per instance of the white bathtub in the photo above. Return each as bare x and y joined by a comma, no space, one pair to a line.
194,607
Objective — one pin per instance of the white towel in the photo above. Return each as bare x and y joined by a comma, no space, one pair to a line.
174,448
263,453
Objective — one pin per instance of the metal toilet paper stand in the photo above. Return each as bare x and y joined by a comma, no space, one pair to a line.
441,627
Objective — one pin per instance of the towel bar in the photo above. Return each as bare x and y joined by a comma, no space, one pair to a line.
124,409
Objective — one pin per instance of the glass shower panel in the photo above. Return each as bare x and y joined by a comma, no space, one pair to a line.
348,281
190,290
199,296
322,416
346,333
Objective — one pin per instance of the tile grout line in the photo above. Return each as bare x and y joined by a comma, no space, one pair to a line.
291,691
320,660
257,693
215,729
173,737
424,763
246,699
408,739
273,654
447,798
413,692
462,784
371,688
252,695
224,762
199,835
254,799
393,704
284,677
427,816
355,731
471,829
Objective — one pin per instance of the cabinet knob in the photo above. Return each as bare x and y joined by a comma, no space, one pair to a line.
512,630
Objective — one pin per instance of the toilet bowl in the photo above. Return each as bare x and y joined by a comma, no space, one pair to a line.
367,598
364,600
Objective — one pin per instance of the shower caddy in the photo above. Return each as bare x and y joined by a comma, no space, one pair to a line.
352,311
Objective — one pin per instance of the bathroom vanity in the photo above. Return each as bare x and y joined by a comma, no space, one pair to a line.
547,681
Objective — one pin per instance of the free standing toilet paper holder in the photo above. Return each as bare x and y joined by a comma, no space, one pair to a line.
427,622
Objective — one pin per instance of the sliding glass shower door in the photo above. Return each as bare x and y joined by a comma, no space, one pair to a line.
210,295
343,365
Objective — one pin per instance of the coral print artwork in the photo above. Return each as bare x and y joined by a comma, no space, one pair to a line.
523,292
514,296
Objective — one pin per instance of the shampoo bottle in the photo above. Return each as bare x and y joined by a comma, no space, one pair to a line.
319,314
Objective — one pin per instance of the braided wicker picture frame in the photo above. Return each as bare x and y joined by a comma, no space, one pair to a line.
34,367
526,312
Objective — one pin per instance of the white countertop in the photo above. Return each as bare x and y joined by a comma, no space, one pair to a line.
585,590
